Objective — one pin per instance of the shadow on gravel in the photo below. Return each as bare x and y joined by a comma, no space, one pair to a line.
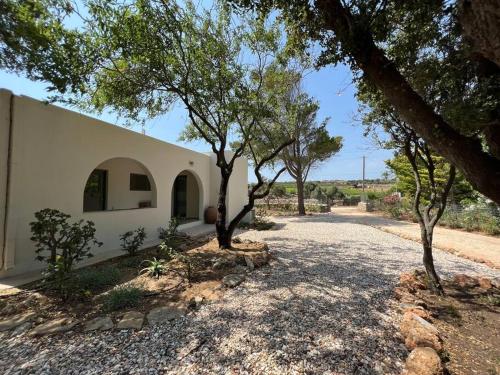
319,308
305,311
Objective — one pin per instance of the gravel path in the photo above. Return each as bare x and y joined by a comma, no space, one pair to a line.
324,307
474,246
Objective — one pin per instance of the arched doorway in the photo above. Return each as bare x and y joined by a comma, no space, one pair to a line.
186,197
119,184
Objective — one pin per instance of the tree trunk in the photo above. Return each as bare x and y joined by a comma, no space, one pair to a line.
223,237
428,259
479,21
300,196
481,169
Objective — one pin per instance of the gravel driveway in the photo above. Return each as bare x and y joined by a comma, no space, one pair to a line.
324,307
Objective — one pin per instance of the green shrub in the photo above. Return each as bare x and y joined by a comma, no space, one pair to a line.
477,219
121,298
92,279
290,207
351,200
259,223
186,263
154,267
61,245
489,300
170,231
133,240
451,219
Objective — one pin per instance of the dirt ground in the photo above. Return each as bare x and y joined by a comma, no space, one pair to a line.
468,319
170,287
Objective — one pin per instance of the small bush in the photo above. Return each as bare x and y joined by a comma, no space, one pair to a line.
490,300
61,245
290,207
476,219
351,200
154,267
259,223
170,231
133,240
186,263
121,298
92,279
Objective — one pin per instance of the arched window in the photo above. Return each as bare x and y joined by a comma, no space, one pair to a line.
119,184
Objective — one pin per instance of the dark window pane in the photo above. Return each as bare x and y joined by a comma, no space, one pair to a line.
94,197
180,195
139,182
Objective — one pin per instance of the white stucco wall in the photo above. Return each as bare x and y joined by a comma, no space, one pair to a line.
237,194
53,153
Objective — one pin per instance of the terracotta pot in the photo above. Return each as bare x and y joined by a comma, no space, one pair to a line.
210,215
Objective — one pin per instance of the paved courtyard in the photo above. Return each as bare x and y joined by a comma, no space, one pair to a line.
323,307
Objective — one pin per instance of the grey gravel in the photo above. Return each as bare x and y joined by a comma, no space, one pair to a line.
324,306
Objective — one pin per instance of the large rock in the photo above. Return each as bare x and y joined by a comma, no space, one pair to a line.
410,281
22,329
419,333
54,326
465,281
164,314
485,283
259,259
495,282
423,361
221,263
401,294
417,310
249,263
233,280
101,323
16,320
131,320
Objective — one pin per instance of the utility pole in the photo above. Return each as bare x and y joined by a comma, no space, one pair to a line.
363,174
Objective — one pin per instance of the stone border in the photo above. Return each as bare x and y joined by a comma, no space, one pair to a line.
420,335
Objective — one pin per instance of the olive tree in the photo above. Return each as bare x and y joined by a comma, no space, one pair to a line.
313,145
380,40
138,58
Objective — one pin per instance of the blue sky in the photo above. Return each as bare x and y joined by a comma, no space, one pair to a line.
331,86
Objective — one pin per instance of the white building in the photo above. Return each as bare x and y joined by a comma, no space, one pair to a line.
51,157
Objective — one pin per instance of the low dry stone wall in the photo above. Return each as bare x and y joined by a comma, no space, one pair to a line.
420,335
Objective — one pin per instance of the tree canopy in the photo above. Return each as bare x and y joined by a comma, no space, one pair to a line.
381,41
138,58
312,146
